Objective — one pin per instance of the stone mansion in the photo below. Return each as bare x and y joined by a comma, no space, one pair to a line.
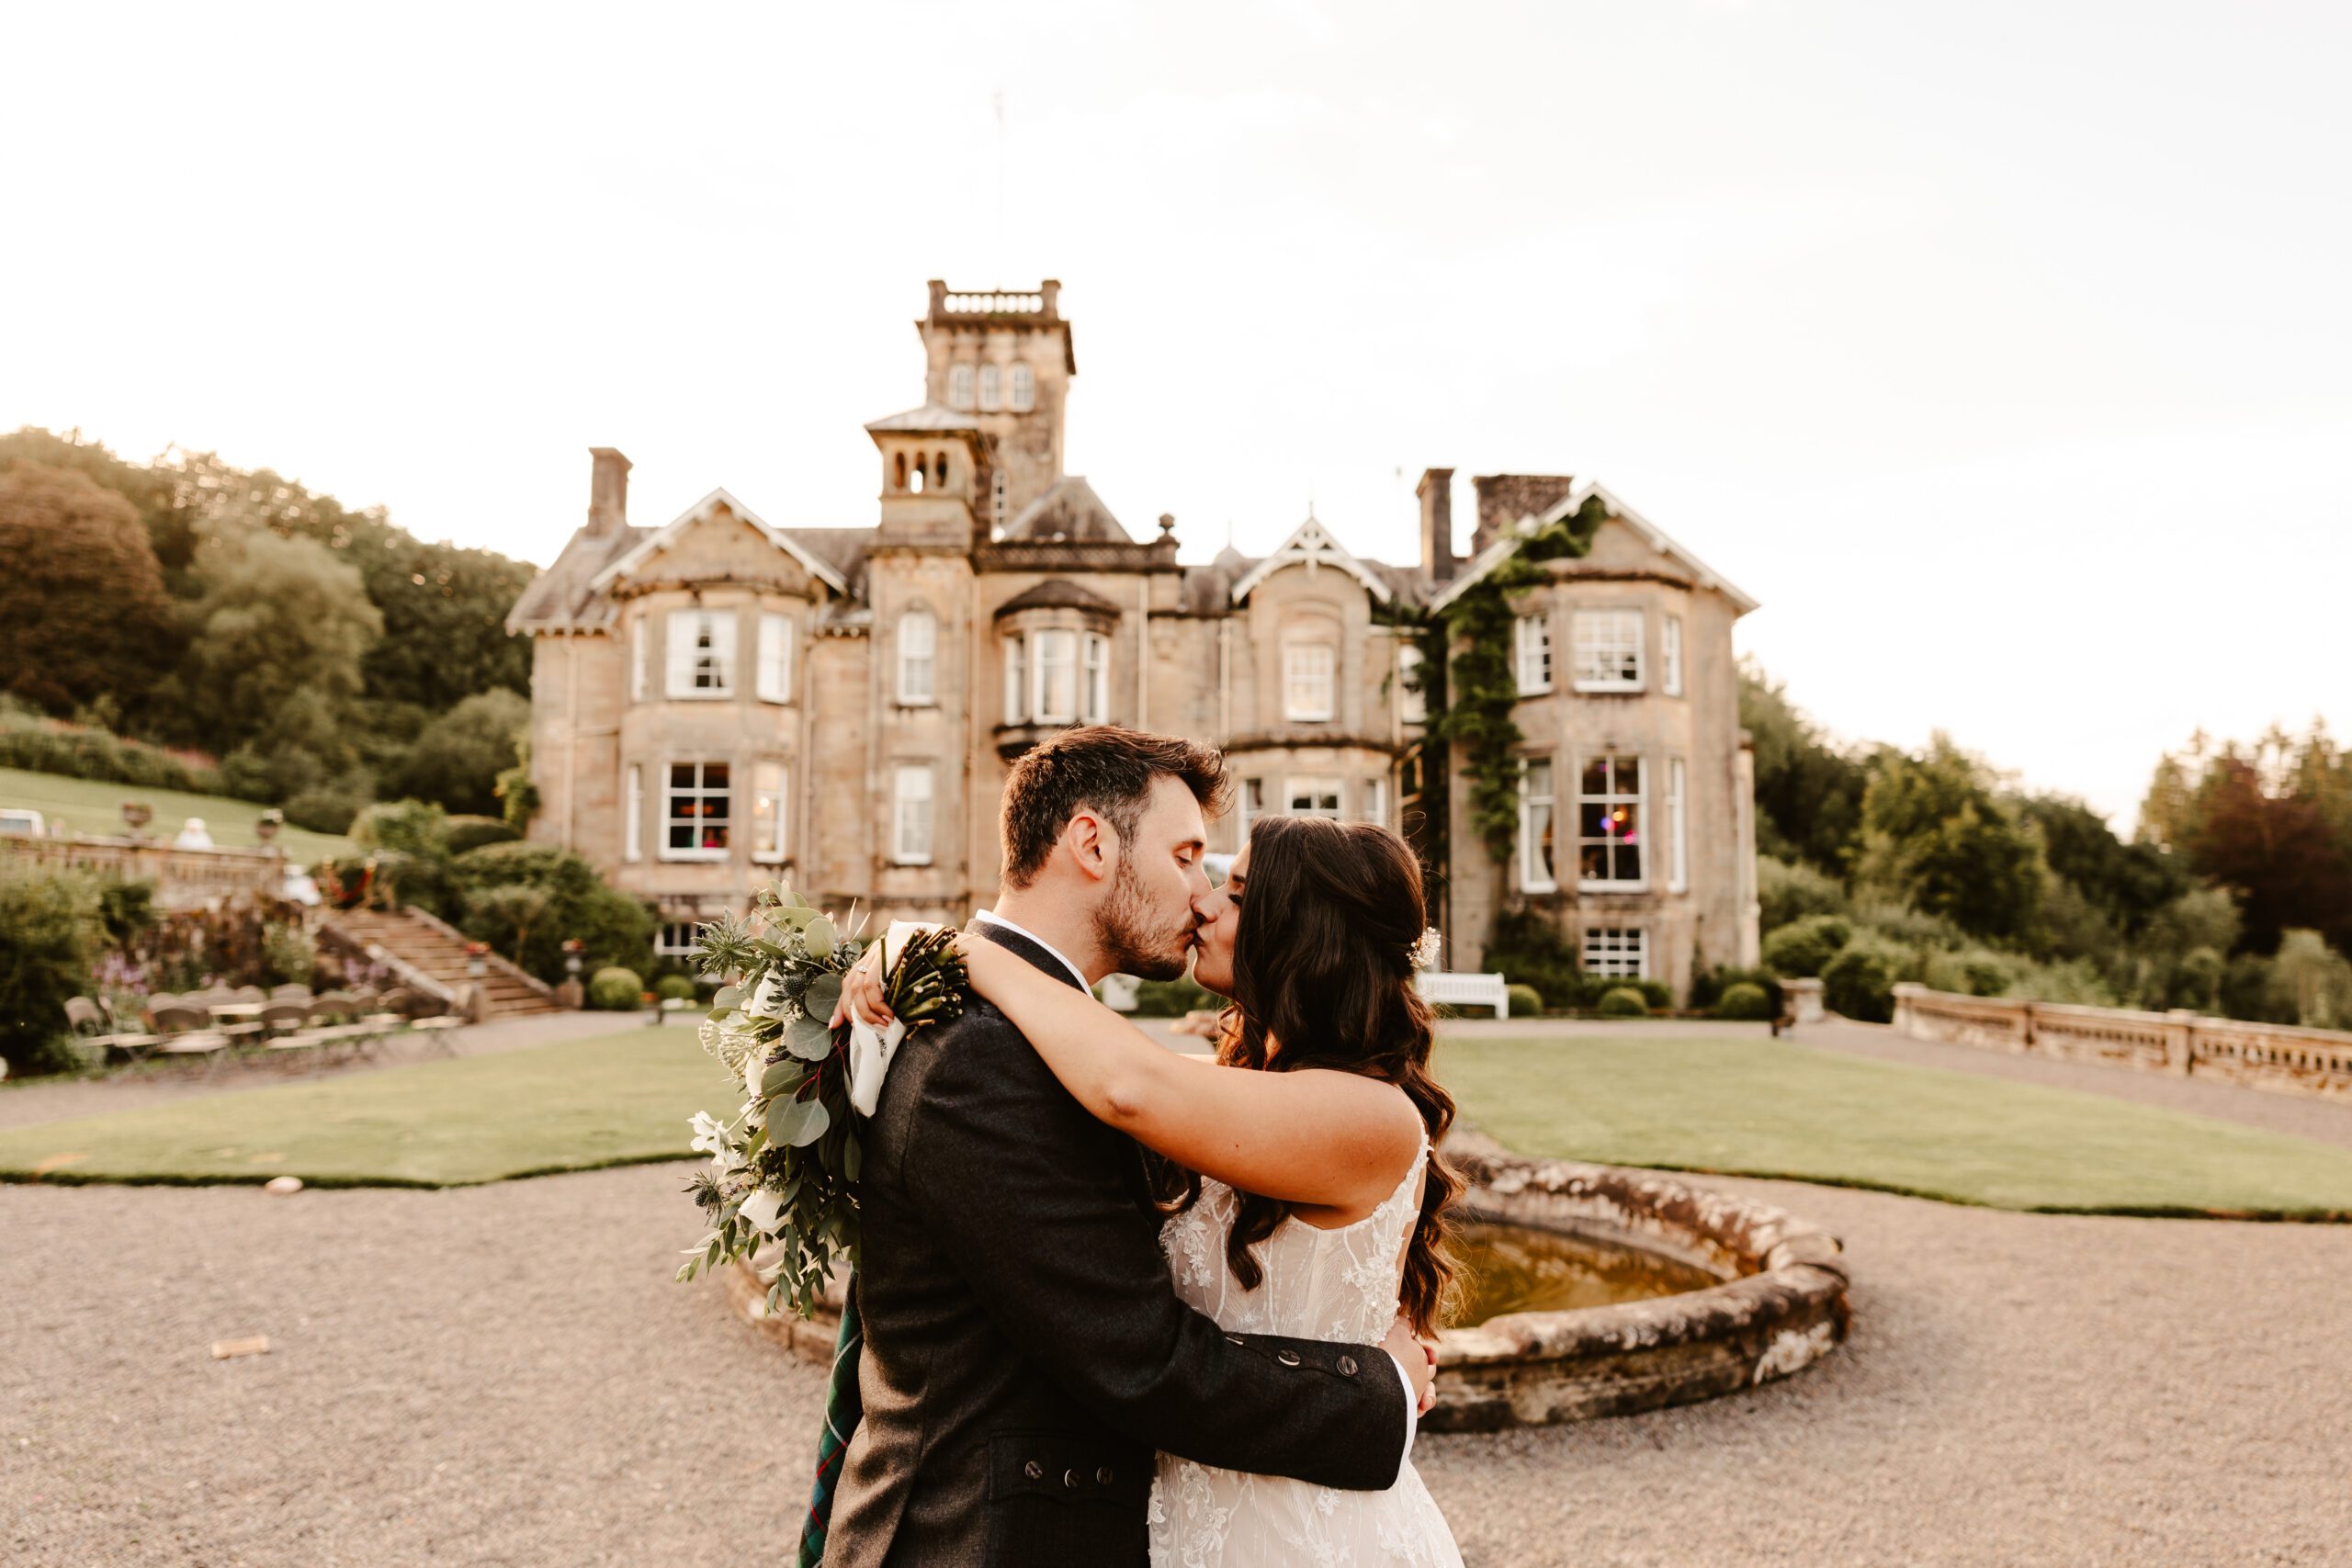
718,701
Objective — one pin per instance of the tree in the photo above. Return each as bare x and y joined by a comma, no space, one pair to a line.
2127,883
1808,793
274,660
457,759
83,612
2278,853
1935,835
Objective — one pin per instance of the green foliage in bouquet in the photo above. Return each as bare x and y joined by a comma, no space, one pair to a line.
783,1174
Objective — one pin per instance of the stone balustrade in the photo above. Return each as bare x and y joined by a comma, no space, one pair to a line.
183,878
2274,1056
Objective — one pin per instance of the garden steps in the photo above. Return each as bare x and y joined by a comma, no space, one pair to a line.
433,949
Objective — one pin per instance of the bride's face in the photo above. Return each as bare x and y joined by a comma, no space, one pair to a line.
1220,913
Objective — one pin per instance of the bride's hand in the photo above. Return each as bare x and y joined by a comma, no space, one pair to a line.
862,991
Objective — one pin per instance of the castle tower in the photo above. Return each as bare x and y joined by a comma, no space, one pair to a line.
1005,358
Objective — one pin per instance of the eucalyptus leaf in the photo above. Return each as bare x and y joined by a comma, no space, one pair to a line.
821,937
799,1123
808,1039
824,993
852,1158
727,997
781,1077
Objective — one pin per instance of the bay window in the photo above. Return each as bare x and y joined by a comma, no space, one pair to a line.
694,812
702,654
774,682
1098,678
1054,694
1608,651
1313,798
1678,877
1669,653
1608,824
767,812
1536,810
1309,668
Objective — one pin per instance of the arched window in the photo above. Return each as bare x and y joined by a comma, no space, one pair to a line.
918,658
1025,388
992,389
898,471
959,387
918,484
939,472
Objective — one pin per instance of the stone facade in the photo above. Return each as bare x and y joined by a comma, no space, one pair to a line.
718,701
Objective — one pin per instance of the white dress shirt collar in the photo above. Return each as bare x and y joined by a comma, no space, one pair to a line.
1075,973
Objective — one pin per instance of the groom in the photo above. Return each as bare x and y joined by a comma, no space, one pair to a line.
1025,1354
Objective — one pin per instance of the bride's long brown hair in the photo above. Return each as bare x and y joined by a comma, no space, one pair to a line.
1323,968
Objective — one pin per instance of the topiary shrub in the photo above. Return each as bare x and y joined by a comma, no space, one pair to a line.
1858,982
1526,1001
674,989
1624,1001
1745,1000
472,832
1804,948
616,990
415,828
1708,986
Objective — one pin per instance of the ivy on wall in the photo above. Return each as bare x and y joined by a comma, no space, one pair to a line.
1471,706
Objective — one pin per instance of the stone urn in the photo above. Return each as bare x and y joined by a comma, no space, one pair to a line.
136,815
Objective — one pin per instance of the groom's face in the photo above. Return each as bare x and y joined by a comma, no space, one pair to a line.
1145,921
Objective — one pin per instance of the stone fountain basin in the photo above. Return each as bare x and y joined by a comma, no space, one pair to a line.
1781,1304
1781,1307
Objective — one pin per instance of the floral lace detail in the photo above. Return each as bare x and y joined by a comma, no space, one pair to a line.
1318,1284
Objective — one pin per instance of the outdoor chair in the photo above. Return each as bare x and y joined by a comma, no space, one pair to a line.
188,1031
286,1015
296,991
249,994
92,1027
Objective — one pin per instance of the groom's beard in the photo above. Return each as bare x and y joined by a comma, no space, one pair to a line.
1133,940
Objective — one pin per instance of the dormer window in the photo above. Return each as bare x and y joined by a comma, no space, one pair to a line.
959,387
1025,388
992,388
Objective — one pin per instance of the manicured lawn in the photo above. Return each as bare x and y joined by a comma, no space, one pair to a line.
88,805
1760,1107
613,1099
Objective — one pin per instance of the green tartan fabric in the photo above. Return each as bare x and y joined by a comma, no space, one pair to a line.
842,1412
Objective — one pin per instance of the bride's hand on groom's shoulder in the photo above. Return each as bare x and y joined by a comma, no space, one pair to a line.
862,992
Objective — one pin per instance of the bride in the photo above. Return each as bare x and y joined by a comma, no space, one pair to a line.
1302,1195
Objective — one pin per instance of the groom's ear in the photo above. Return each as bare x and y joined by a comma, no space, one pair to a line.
1092,843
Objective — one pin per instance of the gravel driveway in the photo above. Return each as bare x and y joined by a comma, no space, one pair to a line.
506,1375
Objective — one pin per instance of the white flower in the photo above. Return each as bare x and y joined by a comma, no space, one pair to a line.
766,1000
1425,951
761,1211
711,1137
754,1064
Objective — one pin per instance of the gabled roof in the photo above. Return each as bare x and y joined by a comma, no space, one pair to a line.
662,538
1056,593
1310,544
558,597
1492,556
1069,509
930,419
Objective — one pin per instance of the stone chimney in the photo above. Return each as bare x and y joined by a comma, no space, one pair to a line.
607,490
1504,499
1436,491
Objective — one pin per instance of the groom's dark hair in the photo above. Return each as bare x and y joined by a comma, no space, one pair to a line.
1100,766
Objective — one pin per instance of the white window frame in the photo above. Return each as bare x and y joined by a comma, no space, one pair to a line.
633,820
1253,806
1412,703
1314,789
1607,649
1095,677
1616,952
1053,650
912,821
1539,792
1670,655
992,388
1678,848
1531,653
1016,693
959,387
917,645
637,657
1024,391
1310,679
686,630
1637,837
771,796
699,789
1375,801
669,944
774,683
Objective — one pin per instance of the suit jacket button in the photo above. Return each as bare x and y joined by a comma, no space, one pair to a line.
1103,1476
1287,1358
1347,1366
1070,1478
1033,1471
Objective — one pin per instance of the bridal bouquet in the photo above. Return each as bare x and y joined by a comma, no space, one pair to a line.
783,1171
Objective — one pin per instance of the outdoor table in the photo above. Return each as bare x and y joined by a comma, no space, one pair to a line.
235,1009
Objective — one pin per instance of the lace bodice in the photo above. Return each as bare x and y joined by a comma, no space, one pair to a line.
1317,1285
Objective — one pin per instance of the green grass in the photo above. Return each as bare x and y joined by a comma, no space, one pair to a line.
1760,1107
615,1099
92,806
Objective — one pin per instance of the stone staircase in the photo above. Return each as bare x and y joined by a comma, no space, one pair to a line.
433,949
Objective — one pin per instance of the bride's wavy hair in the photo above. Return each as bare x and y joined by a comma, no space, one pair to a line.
1323,968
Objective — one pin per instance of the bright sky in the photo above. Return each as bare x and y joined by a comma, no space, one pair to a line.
1998,349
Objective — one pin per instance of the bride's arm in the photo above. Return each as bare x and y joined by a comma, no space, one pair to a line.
1312,1136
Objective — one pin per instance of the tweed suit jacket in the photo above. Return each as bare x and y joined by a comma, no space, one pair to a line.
1025,1353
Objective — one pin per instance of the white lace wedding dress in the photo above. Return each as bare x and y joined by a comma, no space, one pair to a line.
1318,1284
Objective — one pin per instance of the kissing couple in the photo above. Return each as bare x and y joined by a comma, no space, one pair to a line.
1122,1305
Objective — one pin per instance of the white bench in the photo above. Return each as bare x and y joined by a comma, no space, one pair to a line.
1464,991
